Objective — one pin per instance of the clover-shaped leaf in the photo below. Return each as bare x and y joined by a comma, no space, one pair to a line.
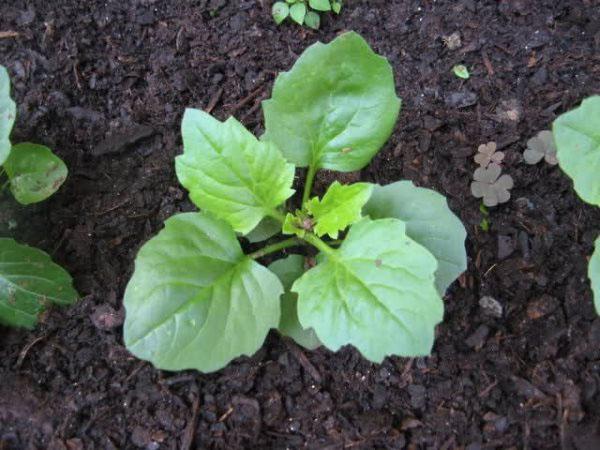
541,146
486,154
489,185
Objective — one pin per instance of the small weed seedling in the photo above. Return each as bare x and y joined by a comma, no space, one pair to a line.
385,254
29,280
304,12
541,147
577,139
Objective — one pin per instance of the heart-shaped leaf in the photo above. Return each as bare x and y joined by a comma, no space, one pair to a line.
288,270
298,12
577,138
375,292
340,207
29,282
229,172
594,274
280,11
335,108
429,221
195,301
35,173
8,113
320,5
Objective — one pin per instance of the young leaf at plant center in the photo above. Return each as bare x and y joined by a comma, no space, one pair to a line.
461,71
335,108
578,147
230,173
35,173
268,227
594,275
340,207
312,20
320,5
541,146
375,292
297,224
29,282
429,221
298,12
280,11
195,301
8,113
289,269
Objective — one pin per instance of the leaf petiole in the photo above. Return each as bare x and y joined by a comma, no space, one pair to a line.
310,178
292,242
319,244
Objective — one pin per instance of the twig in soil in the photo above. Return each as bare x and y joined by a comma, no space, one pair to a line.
303,360
9,34
214,100
26,349
185,378
487,63
190,428
247,99
487,390
226,414
135,371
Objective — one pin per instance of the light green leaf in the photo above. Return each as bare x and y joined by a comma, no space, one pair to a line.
312,20
29,282
336,6
297,12
8,113
375,292
594,274
461,71
320,5
335,108
35,173
428,221
292,225
280,11
288,270
340,207
268,227
229,172
195,301
577,137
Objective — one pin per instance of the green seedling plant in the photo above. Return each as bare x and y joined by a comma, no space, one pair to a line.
371,263
304,12
577,139
29,280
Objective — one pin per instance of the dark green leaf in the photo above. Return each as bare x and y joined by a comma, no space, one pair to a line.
594,274
8,112
312,20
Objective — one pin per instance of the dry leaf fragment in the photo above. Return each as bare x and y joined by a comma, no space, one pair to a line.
489,185
453,41
486,154
541,146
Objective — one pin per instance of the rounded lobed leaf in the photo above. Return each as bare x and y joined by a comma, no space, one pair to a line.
375,292
8,113
594,274
195,301
429,221
335,108
289,269
577,139
35,173
29,282
229,173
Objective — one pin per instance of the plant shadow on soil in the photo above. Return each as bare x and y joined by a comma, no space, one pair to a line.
105,83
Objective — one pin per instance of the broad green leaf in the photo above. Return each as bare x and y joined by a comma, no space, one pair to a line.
375,292
268,227
195,301
288,270
428,221
594,274
320,5
298,12
335,108
340,207
312,20
35,173
29,282
577,137
8,113
280,11
229,173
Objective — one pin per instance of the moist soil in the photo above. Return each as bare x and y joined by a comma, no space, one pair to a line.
105,84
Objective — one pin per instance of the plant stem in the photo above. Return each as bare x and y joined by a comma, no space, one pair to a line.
310,178
291,242
277,215
319,244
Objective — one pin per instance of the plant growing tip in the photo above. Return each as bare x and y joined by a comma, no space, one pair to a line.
304,12
196,300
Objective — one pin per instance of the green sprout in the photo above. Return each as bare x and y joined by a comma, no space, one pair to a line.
303,12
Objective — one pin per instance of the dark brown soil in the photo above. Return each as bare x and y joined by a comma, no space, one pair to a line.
105,84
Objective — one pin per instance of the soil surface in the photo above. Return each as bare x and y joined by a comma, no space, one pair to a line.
105,84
